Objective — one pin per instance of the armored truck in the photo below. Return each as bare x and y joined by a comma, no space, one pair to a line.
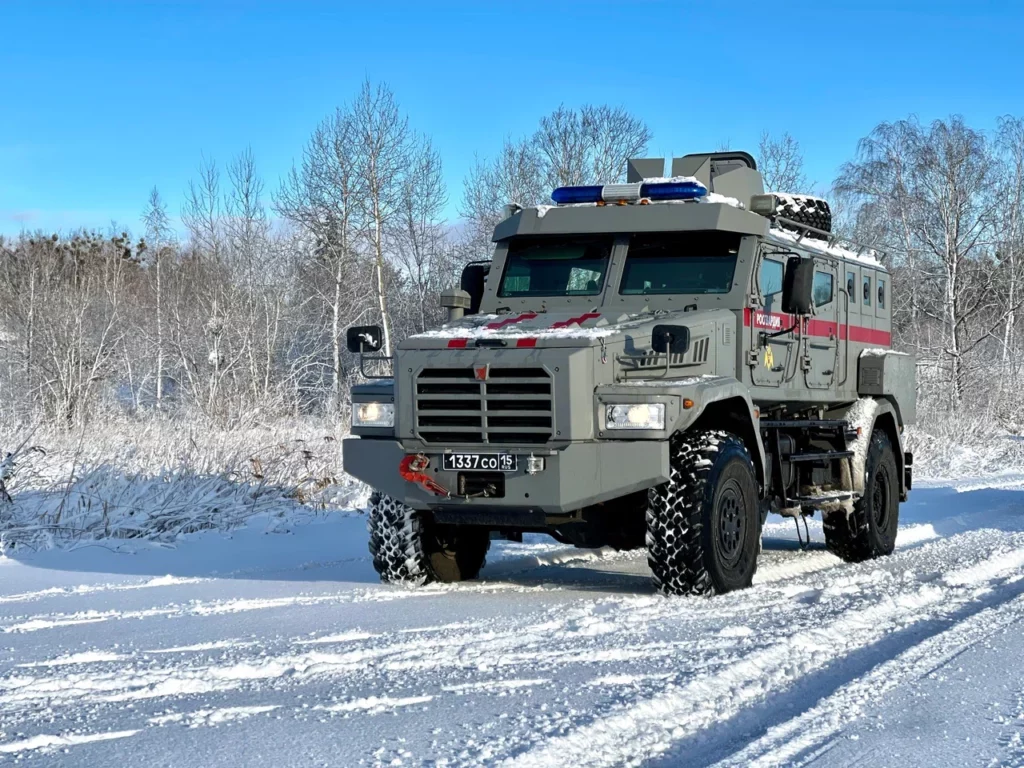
659,364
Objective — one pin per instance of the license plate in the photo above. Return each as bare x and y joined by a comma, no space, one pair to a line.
479,462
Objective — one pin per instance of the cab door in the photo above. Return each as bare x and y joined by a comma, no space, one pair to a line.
771,355
821,351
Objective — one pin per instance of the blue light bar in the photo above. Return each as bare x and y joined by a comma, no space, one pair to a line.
630,193
569,195
673,190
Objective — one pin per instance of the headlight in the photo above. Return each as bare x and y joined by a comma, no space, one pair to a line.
373,414
635,416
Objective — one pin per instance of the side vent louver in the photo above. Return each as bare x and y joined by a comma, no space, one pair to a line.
700,350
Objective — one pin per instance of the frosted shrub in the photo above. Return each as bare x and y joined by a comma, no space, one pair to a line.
160,478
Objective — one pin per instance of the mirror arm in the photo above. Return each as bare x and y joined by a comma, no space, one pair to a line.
765,336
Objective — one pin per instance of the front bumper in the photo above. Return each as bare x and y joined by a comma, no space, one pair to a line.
574,477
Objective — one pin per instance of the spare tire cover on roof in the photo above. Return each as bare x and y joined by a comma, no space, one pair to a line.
804,209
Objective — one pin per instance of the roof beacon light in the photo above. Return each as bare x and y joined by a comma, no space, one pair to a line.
630,193
674,190
570,195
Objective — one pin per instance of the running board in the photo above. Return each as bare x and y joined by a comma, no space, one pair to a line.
826,456
827,498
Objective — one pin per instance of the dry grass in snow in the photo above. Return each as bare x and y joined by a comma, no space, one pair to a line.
158,478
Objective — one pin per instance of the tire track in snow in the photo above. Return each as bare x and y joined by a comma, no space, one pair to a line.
649,728
50,742
239,605
784,743
551,643
92,589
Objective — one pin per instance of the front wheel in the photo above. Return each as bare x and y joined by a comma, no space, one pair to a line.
869,529
408,548
703,525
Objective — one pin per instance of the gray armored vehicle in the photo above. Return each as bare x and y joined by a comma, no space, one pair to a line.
659,363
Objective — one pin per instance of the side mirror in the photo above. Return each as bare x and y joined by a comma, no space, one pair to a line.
673,339
798,286
473,281
364,338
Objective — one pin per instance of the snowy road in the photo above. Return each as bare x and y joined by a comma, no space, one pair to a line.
268,649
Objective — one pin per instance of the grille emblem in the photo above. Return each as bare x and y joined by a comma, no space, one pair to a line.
482,372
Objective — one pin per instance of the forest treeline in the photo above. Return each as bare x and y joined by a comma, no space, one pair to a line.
241,317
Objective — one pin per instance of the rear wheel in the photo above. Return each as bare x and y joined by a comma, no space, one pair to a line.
703,525
869,530
408,548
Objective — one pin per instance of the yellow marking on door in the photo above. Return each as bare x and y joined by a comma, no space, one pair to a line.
769,358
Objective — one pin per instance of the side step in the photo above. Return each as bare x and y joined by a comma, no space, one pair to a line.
826,498
819,426
827,456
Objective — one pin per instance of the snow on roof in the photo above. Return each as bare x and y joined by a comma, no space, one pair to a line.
673,180
837,251
714,197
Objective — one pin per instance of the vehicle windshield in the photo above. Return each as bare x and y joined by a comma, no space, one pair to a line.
686,263
556,266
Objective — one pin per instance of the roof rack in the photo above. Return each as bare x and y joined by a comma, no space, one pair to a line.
831,238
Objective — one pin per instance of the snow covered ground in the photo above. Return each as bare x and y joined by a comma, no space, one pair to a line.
258,648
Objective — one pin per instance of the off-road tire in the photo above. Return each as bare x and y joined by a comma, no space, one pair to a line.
703,525
804,209
869,530
409,549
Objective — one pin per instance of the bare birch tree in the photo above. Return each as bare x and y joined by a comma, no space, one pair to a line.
781,163
383,142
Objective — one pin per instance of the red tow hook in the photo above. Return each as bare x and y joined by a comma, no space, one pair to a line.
411,469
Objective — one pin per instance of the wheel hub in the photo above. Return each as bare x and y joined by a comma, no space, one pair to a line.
730,522
880,499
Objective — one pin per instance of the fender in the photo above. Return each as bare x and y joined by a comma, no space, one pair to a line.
724,403
868,414
716,402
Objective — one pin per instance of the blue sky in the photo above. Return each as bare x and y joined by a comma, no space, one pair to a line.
99,102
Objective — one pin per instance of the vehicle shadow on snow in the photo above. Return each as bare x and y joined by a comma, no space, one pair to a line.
727,737
332,547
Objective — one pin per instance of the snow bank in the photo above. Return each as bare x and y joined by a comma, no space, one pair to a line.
165,480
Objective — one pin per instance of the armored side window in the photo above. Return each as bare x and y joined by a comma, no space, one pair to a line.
881,293
822,288
771,278
851,283
867,291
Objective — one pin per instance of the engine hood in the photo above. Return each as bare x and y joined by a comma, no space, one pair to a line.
547,329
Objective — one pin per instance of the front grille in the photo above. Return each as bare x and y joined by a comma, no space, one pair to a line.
512,406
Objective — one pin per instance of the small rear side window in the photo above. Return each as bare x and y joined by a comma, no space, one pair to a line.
822,288
881,293
867,291
851,283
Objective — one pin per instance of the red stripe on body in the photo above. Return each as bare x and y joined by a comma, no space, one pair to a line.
576,320
526,343
777,321
458,343
511,321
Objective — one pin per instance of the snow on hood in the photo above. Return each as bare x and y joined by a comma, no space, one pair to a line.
537,325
